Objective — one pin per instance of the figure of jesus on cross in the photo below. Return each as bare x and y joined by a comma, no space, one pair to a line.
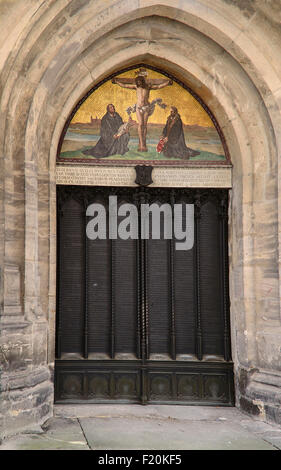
143,107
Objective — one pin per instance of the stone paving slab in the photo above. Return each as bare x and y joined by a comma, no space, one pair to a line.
168,434
175,411
124,427
57,434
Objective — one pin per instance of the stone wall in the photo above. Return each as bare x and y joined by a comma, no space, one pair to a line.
228,51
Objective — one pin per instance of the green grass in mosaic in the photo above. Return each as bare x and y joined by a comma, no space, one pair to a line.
134,154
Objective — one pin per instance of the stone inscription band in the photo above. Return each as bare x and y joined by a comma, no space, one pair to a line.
218,177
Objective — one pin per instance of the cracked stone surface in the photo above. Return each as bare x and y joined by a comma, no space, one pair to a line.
56,434
121,427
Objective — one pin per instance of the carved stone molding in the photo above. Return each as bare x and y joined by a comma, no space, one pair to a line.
12,289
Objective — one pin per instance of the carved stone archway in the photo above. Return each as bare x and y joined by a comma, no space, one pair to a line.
56,52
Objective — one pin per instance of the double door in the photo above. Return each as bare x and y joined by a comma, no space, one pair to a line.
142,318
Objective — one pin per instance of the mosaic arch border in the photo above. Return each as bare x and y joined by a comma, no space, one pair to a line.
126,163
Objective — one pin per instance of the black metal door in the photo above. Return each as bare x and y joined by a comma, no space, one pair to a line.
139,321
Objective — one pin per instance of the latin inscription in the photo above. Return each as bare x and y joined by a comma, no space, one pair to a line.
162,177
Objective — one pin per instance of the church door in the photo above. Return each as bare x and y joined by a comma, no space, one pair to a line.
140,320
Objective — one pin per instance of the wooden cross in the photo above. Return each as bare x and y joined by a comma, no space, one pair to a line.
143,107
149,81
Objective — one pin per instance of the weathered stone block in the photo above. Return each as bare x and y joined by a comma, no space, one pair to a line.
12,290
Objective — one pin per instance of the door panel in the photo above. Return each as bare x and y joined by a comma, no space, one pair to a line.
98,292
185,318
210,281
125,297
71,278
138,320
158,298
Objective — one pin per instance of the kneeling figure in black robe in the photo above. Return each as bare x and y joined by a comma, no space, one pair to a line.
174,142
109,143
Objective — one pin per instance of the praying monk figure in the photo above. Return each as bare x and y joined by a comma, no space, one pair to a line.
143,107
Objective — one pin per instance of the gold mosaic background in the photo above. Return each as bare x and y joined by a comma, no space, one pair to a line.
95,105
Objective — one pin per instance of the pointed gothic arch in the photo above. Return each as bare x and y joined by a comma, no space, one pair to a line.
223,55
